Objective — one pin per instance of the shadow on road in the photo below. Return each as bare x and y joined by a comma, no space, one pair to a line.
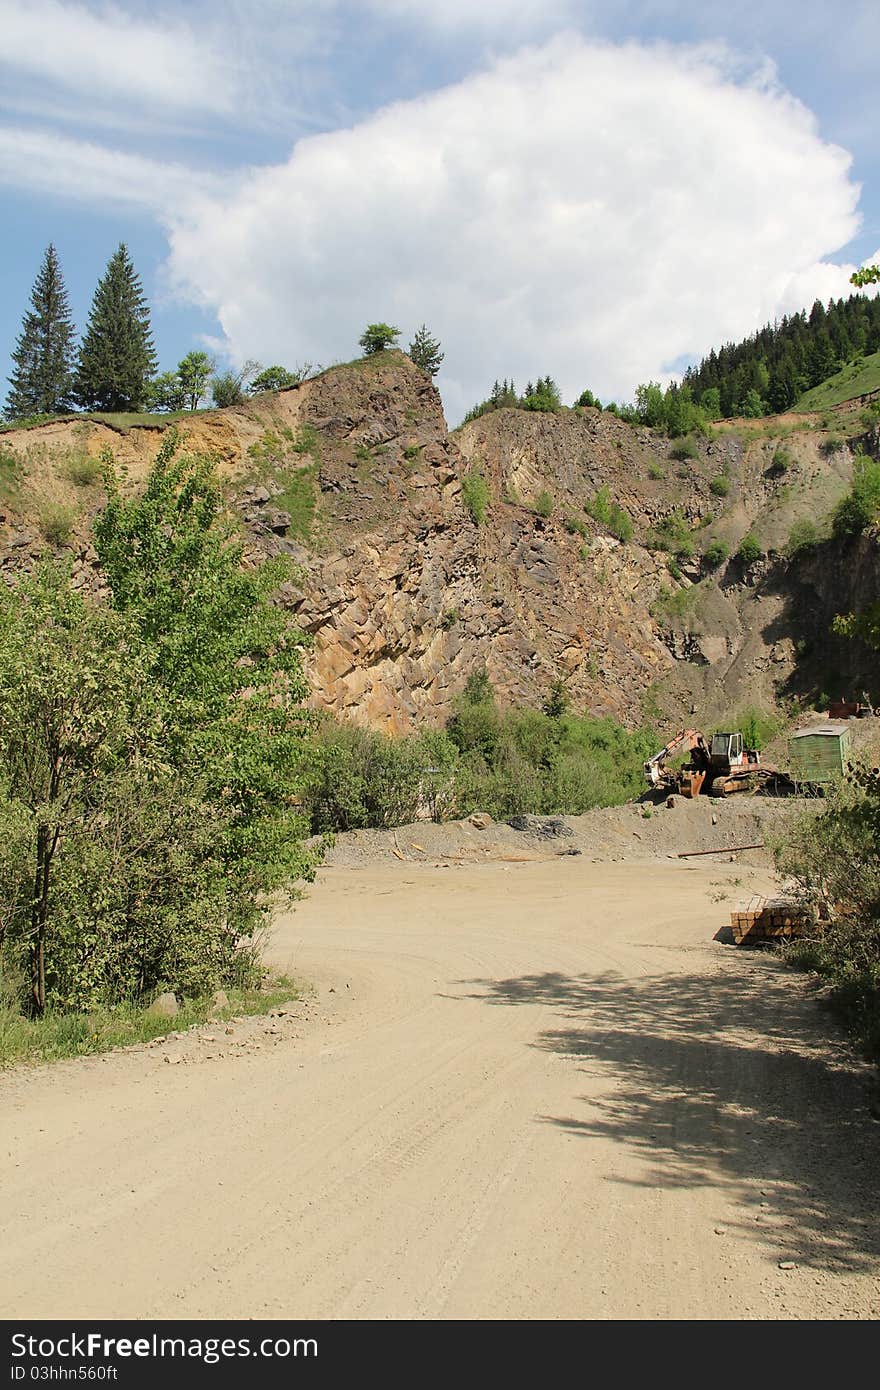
730,1080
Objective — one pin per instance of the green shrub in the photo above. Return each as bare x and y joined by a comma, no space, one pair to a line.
802,536
684,449
10,474
861,506
781,462
672,534
82,469
544,504
56,523
749,549
610,515
719,487
576,527
715,554
656,472
475,495
818,855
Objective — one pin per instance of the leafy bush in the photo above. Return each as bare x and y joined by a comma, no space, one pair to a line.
576,527
376,337
833,865
544,504
610,515
802,536
655,472
475,495
719,487
715,554
861,506
749,549
586,398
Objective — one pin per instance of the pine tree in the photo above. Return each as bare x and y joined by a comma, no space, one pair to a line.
425,352
117,357
43,356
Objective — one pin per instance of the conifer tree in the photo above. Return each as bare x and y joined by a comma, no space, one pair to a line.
43,356
425,352
117,357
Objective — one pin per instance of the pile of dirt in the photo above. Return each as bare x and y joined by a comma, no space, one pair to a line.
635,831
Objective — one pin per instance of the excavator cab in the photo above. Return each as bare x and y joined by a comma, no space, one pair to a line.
726,752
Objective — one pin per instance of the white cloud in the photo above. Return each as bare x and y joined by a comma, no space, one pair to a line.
591,211
51,164
112,56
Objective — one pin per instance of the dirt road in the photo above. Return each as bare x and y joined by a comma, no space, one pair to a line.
525,1090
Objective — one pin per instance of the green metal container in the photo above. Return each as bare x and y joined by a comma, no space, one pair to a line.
820,755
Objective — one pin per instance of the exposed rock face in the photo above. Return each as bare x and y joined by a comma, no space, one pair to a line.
355,476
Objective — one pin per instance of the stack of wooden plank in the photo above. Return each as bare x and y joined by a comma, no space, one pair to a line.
768,919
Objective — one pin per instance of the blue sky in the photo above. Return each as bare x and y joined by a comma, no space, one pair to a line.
601,191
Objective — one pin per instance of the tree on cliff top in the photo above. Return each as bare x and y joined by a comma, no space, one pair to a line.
117,357
376,337
43,356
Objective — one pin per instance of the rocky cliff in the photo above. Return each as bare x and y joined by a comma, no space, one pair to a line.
355,476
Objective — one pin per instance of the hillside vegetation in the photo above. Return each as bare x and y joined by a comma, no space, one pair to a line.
858,378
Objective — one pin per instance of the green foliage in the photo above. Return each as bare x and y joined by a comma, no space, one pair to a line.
227,389
43,355
586,398
861,506
758,726
149,752
672,534
781,462
802,537
672,605
543,396
833,865
165,393
354,777
867,275
557,702
425,352
715,554
116,358
10,475
720,486
672,410
277,457
376,337
576,527
475,495
60,1035
610,515
684,449
544,504
276,379
194,371
656,472
56,523
750,549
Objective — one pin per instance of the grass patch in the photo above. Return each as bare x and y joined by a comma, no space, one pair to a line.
81,468
277,457
610,515
56,1035
10,475
56,523
857,378
475,495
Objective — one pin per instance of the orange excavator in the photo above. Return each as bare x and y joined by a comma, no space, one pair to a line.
720,767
